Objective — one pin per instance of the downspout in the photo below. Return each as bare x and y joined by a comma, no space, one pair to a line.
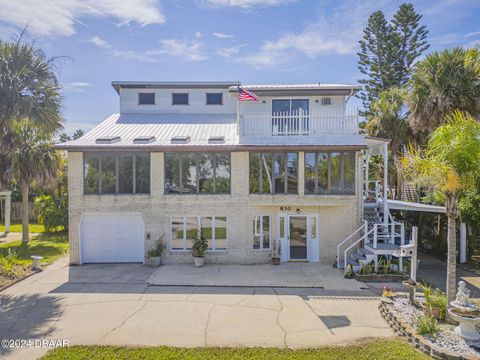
385,184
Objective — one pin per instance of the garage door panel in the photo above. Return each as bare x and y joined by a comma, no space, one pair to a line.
112,238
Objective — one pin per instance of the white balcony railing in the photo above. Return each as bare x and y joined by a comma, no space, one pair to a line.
298,123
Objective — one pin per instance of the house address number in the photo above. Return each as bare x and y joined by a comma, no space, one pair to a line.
285,208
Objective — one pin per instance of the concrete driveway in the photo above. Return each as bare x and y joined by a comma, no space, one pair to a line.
114,305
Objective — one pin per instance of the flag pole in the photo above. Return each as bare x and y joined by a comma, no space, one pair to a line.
238,109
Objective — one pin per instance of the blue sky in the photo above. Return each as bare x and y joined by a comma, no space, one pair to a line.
254,41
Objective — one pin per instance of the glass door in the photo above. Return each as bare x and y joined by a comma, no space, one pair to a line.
298,237
290,117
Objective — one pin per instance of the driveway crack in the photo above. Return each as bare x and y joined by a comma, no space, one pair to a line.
124,321
278,318
205,330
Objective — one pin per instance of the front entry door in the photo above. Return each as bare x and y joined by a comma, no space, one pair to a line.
298,237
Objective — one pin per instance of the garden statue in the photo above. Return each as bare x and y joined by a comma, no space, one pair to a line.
466,313
463,294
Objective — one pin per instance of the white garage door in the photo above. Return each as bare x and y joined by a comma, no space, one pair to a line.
112,237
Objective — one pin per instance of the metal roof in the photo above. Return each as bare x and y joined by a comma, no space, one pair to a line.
300,89
161,128
173,84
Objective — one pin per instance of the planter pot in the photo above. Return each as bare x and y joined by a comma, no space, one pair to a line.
275,260
433,311
154,261
198,261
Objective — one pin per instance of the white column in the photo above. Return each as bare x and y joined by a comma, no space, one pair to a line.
463,243
367,161
8,206
385,183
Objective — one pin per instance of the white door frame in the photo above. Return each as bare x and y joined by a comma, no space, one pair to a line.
313,242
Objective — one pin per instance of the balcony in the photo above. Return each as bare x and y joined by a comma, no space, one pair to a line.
299,123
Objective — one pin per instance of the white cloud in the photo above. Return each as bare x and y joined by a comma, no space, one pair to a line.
76,86
198,35
98,41
183,49
58,17
187,50
222,35
244,4
335,33
230,51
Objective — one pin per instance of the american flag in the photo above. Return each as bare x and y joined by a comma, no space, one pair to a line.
245,95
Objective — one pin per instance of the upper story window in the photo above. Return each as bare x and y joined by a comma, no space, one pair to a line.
197,173
146,98
214,98
290,117
290,106
273,173
117,174
180,99
330,173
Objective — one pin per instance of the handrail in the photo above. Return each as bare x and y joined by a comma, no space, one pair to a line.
365,236
363,226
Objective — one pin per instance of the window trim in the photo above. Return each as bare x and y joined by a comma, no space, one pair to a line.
216,93
328,191
117,156
199,227
197,180
261,235
260,173
142,104
183,93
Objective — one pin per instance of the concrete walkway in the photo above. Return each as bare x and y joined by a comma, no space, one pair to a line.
114,305
13,236
296,275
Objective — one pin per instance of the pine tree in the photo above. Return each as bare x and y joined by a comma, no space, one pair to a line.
409,41
376,58
388,51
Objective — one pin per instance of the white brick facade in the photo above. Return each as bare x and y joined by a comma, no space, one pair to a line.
338,215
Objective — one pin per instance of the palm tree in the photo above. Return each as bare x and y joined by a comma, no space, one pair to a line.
442,83
449,165
30,159
28,87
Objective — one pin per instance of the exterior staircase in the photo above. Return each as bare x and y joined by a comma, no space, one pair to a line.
376,237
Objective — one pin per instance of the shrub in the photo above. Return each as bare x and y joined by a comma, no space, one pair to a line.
52,212
427,325
8,263
367,268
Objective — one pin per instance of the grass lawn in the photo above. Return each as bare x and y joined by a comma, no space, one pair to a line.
17,227
50,246
380,349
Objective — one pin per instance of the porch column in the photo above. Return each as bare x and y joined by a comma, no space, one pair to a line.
463,243
385,182
7,211
367,161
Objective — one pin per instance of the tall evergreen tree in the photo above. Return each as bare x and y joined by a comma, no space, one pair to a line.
388,50
375,58
410,41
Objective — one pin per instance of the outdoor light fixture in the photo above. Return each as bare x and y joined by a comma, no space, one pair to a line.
298,211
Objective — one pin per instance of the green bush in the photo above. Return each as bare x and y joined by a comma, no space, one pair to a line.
8,263
427,325
435,299
52,212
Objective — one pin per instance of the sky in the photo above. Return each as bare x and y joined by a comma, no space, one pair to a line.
252,41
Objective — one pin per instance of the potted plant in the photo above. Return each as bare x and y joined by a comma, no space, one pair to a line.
155,252
199,246
435,303
277,253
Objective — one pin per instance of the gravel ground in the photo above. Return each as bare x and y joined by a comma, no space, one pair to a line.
445,338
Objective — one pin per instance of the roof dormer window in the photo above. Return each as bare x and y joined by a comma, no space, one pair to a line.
216,140
146,98
180,99
144,139
180,140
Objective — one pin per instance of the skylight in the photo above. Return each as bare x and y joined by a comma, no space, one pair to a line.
216,140
107,140
180,140
144,139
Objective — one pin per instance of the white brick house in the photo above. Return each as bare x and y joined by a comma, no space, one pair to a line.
183,156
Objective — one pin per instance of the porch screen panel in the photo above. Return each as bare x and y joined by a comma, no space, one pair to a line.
273,173
349,173
189,174
91,174
222,173
205,173
125,174
109,175
142,174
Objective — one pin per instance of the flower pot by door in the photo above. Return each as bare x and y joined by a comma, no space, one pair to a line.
155,261
198,261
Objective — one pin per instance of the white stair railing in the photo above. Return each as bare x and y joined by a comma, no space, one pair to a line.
363,238
363,227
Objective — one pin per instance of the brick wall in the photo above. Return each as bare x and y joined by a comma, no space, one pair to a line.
339,215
